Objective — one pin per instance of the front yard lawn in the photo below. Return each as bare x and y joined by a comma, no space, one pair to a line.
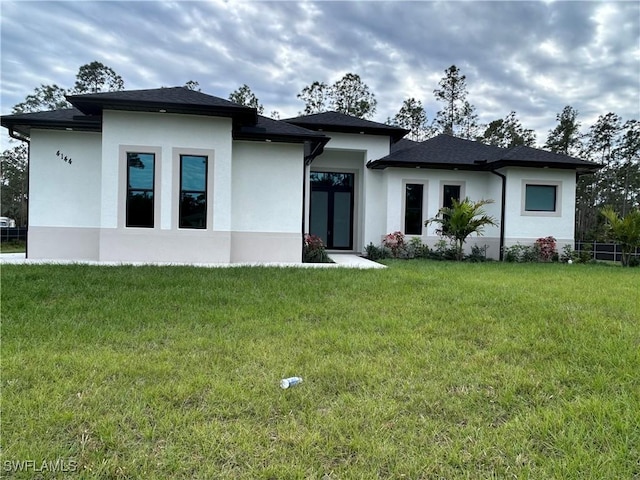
421,370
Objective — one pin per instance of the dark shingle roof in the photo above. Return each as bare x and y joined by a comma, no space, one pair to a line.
268,128
403,144
523,153
446,151
340,122
252,127
54,119
172,100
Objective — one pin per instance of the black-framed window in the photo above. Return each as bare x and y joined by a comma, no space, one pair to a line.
193,191
413,208
540,198
449,194
140,189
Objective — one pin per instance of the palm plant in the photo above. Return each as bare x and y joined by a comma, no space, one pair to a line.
461,220
623,230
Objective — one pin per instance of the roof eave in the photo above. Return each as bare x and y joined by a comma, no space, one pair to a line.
481,166
583,167
381,165
395,133
25,128
259,136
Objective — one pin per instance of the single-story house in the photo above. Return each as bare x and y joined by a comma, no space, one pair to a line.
175,175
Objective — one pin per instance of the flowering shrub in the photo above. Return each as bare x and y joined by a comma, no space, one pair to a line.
546,248
543,250
394,242
313,250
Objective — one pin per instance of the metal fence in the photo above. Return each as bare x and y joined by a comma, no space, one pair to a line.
604,251
13,234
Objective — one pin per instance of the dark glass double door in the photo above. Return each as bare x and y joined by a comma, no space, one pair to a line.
331,209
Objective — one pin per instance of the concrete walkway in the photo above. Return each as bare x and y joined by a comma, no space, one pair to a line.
342,260
351,260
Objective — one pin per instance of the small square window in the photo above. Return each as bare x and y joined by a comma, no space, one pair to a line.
540,198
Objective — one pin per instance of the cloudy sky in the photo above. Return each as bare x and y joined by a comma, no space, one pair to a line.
531,57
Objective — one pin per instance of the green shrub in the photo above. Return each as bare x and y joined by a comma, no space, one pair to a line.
417,249
478,254
521,253
513,254
568,253
586,253
443,251
376,253
544,250
394,245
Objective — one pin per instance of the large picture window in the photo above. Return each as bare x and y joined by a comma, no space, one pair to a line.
193,191
540,198
140,189
413,208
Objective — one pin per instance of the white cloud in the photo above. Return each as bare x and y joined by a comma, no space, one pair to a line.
531,57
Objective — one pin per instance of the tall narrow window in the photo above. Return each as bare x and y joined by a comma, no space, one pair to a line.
193,191
140,180
413,209
449,194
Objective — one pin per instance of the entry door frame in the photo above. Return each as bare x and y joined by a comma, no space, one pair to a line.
331,190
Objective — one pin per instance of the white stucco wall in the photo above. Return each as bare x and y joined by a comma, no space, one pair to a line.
167,136
166,131
475,185
267,187
63,194
78,209
374,146
267,199
524,228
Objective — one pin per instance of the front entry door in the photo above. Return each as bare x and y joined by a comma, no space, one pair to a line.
332,209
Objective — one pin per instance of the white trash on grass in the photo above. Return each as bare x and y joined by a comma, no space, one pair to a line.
290,382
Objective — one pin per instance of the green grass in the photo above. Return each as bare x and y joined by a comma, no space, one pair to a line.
13,246
422,370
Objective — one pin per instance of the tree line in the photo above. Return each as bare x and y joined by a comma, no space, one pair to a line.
611,141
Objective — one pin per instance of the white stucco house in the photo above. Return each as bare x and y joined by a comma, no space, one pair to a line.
174,175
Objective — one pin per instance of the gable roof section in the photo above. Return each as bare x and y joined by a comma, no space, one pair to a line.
340,122
165,100
448,152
